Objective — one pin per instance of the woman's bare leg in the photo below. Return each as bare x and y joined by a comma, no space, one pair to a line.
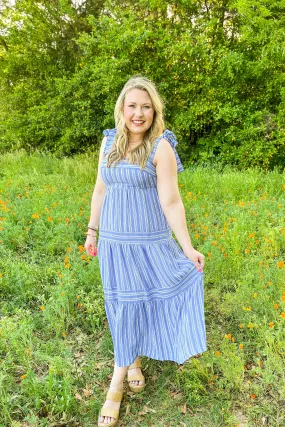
115,385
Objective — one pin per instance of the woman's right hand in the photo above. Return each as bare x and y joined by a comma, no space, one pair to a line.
91,246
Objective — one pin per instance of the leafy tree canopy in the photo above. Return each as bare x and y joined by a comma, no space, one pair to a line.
219,65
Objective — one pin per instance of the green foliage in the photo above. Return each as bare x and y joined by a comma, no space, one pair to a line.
219,66
56,350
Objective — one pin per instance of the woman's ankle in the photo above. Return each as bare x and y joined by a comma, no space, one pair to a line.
116,385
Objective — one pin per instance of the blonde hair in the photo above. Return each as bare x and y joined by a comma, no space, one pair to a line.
141,153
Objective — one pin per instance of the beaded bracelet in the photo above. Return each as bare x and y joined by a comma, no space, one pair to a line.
92,235
94,229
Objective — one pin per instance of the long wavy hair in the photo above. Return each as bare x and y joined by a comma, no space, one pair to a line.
140,154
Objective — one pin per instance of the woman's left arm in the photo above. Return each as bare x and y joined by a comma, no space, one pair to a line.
170,200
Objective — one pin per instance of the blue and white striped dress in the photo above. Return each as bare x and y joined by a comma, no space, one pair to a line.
154,295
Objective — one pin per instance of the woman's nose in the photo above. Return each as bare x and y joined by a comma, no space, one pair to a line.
138,112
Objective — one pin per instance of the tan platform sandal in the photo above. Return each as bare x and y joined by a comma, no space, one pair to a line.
109,412
136,377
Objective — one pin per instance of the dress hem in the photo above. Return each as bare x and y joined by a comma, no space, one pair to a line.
151,356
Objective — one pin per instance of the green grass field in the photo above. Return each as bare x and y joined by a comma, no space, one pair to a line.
55,346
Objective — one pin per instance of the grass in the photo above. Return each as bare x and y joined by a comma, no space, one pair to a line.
55,346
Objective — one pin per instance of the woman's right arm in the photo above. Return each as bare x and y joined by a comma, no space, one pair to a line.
98,192
96,202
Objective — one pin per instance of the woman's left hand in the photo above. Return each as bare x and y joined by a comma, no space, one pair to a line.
196,257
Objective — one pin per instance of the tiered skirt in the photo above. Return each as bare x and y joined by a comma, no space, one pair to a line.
154,297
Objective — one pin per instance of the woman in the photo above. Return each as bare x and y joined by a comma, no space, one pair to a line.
153,289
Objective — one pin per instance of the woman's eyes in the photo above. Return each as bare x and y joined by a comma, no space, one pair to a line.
146,106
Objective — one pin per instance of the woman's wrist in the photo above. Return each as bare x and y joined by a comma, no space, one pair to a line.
94,230
189,250
93,227
92,235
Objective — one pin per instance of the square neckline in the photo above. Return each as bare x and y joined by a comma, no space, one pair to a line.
151,155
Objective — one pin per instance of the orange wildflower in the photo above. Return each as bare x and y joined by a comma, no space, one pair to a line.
218,353
253,396
276,306
280,264
282,315
271,324
42,307
241,346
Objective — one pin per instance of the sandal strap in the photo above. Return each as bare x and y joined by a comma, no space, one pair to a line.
136,364
115,396
135,377
109,412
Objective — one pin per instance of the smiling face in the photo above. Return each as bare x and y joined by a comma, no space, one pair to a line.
138,113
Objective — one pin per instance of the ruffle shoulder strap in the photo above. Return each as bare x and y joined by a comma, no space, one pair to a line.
171,138
110,134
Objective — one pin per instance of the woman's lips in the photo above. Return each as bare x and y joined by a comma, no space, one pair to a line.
137,122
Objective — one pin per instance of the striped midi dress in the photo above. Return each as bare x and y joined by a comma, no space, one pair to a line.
153,293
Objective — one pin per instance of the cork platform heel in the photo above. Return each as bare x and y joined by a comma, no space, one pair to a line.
109,412
136,377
